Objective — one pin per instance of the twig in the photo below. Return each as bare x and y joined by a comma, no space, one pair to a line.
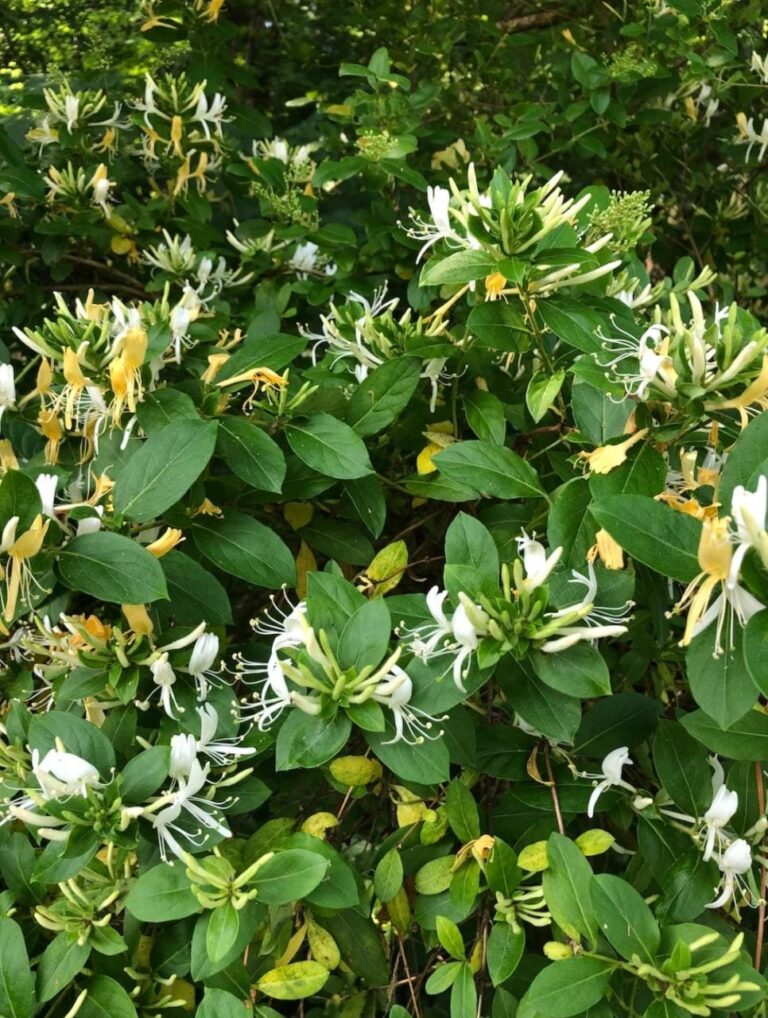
763,876
409,979
553,790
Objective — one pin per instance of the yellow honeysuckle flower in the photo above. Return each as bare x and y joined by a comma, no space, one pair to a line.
755,393
439,436
50,425
216,362
8,460
207,508
138,619
265,377
494,285
166,542
607,550
606,458
177,131
20,549
125,372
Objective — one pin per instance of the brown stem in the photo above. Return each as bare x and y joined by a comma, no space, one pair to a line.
763,876
553,790
409,979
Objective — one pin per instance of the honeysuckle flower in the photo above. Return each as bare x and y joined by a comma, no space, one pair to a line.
307,260
606,458
438,227
182,316
608,550
101,185
734,602
536,563
610,776
7,389
183,755
210,114
18,574
164,678
734,863
46,485
175,255
61,774
560,630
650,352
458,636
186,799
221,751
749,511
719,815
749,134
412,725
201,662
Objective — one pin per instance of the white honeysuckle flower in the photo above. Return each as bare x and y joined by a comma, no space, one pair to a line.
182,316
750,135
200,667
536,563
212,114
307,259
649,350
61,774
183,755
733,602
439,226
610,776
560,633
90,524
719,815
412,725
175,255
734,863
749,513
760,65
458,636
7,388
186,799
221,751
46,485
165,679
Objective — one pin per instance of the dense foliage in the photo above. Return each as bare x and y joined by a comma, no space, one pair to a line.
383,508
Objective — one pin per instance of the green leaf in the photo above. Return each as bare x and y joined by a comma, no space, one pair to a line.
241,546
461,267
567,888
464,994
542,391
164,468
365,638
624,918
163,407
106,999
388,875
366,497
161,895
748,453
18,497
573,322
17,992
330,447
745,739
222,931
577,671
566,988
308,741
624,719
143,775
195,594
643,473
485,416
112,568
681,764
489,470
720,683
501,869
755,650
251,454
341,541
652,533
289,876
570,525
359,942
462,812
469,543
221,1004
450,937
60,962
554,714
425,764
505,949
499,326
383,395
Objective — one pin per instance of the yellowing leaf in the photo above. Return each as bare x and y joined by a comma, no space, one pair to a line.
595,842
355,770
318,824
294,982
387,568
298,514
323,946
305,563
533,858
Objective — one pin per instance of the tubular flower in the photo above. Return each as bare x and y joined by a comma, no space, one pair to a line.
18,575
606,458
715,558
125,372
610,776
734,863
